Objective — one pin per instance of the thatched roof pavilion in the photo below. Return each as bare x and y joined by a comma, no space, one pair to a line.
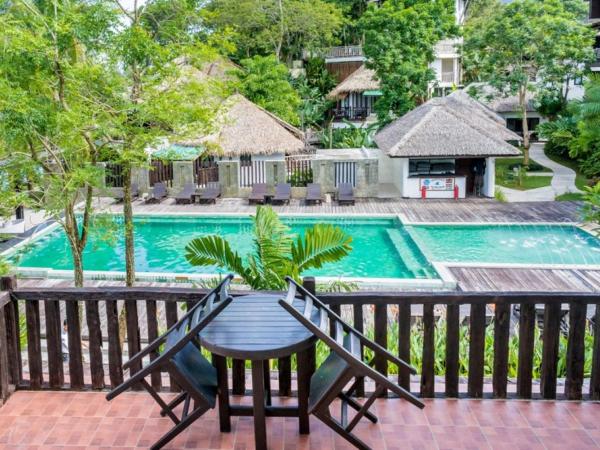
246,128
361,80
437,128
480,115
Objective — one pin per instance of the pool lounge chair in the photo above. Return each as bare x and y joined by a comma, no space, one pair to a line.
344,366
185,196
159,192
345,194
119,194
313,194
211,193
283,192
177,352
258,194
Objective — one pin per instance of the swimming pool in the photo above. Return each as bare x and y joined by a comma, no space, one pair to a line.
382,247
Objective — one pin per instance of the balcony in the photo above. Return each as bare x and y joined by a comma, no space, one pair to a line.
448,77
348,51
55,405
352,114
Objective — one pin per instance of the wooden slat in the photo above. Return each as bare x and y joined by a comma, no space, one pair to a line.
550,339
34,344
501,337
595,378
526,346
4,367
381,327
13,342
74,339
115,356
575,351
171,316
152,321
357,313
452,349
133,333
95,344
427,369
54,344
476,350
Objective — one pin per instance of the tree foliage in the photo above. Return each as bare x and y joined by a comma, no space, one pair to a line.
281,27
400,36
51,128
529,46
276,253
266,82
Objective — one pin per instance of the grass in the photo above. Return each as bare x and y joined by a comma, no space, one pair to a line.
569,197
505,175
580,179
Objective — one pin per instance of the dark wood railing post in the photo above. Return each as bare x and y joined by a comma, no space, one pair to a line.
526,345
13,333
550,340
5,304
476,350
501,337
381,338
452,348
427,368
595,381
575,351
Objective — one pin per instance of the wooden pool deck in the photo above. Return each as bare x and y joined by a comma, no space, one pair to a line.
462,211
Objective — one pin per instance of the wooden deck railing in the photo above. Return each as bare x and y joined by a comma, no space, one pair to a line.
94,313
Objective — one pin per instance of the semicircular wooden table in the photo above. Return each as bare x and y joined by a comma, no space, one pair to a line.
256,328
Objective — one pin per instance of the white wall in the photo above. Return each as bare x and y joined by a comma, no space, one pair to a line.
489,178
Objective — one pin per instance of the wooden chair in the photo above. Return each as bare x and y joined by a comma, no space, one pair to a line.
185,196
159,192
177,353
345,194
344,364
283,192
313,194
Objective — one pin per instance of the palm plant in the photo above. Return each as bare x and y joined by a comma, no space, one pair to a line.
277,253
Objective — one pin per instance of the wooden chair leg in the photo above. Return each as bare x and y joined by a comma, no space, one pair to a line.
174,403
168,411
180,427
364,410
326,418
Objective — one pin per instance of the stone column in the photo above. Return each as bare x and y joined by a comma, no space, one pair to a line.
229,178
141,176
183,173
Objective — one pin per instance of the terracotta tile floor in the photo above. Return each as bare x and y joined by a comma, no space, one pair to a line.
53,420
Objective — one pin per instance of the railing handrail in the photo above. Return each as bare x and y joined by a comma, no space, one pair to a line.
109,293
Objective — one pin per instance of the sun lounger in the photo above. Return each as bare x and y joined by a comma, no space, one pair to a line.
185,196
345,194
119,194
159,191
211,193
313,194
283,192
259,191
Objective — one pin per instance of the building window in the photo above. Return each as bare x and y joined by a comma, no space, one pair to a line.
578,81
426,167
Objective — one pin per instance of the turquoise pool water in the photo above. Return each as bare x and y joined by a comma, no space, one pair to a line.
381,247
515,244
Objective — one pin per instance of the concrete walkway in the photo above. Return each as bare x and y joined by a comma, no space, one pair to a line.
563,180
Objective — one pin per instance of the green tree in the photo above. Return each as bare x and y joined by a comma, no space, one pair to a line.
51,129
158,96
281,27
276,253
528,46
586,145
266,82
400,37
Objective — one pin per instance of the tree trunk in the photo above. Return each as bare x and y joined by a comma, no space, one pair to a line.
77,266
523,105
128,224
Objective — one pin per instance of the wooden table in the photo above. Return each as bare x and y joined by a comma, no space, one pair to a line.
257,328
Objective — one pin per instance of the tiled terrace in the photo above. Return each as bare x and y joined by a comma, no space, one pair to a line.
52,420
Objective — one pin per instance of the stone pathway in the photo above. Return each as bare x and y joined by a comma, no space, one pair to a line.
563,180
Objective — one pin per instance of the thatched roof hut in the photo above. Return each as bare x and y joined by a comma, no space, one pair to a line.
498,102
246,128
480,115
361,80
437,129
